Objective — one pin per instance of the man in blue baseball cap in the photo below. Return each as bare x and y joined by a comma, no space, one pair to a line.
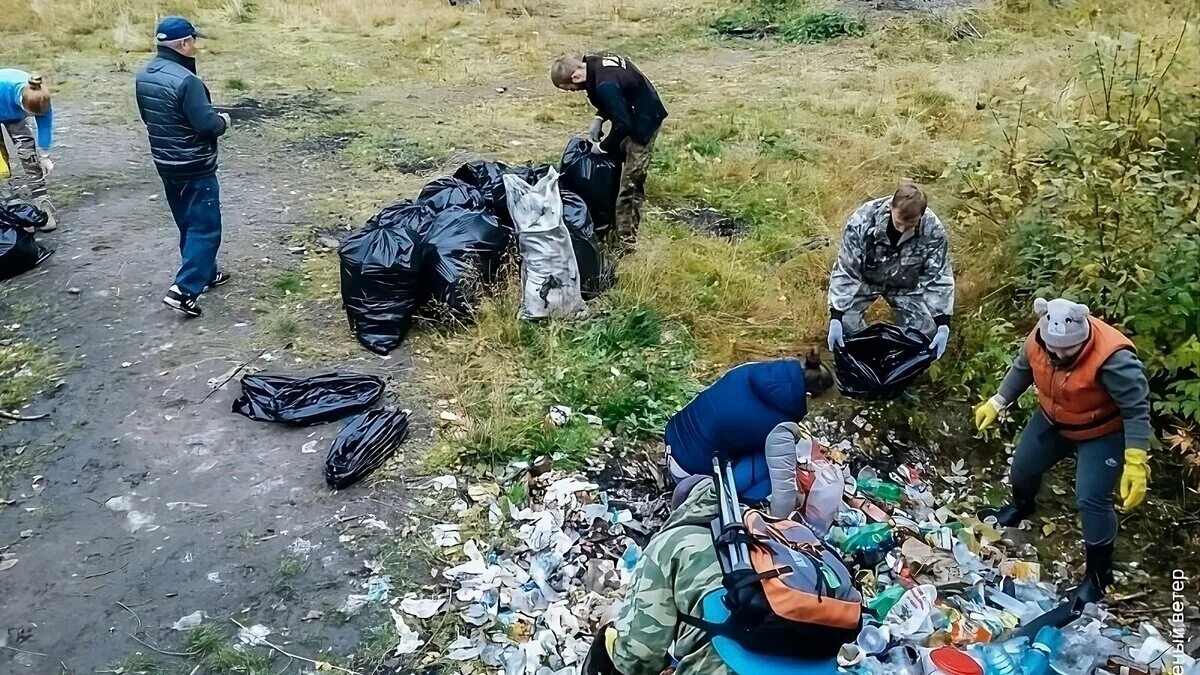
183,129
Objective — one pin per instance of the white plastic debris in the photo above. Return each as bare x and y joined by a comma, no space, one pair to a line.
447,535
189,621
559,415
444,483
410,641
254,636
422,608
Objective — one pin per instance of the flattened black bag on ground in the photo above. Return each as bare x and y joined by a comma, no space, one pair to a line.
19,250
488,178
464,251
381,275
881,361
302,401
595,273
447,192
595,177
363,445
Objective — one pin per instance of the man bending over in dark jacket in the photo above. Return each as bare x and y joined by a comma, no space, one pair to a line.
625,98
183,129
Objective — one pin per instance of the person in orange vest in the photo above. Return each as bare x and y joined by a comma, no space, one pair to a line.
1093,401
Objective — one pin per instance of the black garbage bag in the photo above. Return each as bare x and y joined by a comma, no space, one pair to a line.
381,275
19,249
363,445
881,361
488,178
595,177
448,192
302,401
595,272
464,252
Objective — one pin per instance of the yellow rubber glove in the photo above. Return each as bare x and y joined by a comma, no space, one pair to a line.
610,639
986,414
1133,479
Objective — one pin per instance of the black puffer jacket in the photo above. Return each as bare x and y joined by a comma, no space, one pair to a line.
179,117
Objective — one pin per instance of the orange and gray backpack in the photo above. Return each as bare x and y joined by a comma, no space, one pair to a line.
787,593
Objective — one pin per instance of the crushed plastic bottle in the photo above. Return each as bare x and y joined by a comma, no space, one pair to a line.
1037,660
997,661
882,490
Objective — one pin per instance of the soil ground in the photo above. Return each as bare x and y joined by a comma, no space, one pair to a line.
155,500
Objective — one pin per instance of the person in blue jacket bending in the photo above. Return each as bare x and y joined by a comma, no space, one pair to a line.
734,415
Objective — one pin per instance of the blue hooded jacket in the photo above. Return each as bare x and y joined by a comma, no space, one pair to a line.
733,417
12,83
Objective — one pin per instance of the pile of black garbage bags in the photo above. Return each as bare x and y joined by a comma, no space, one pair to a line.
436,256
19,250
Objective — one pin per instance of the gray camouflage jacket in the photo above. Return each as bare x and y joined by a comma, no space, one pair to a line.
869,265
678,568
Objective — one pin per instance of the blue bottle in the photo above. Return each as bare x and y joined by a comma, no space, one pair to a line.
1037,659
997,661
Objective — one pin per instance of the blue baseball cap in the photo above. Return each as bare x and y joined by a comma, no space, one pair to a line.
173,28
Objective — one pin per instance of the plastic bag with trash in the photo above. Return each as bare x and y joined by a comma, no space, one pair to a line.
595,177
19,249
881,361
595,272
448,192
464,252
549,273
302,401
381,275
488,178
363,445
823,499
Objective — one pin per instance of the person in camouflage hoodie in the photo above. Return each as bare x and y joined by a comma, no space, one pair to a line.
893,248
678,568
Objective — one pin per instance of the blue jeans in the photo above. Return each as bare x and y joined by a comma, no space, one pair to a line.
1098,466
196,205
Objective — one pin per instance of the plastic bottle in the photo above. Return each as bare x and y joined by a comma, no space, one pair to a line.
875,535
997,661
883,602
1037,659
881,489
1021,610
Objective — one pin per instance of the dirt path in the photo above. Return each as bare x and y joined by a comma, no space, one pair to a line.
150,498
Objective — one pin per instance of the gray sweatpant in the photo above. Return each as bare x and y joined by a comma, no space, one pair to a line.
21,135
1098,466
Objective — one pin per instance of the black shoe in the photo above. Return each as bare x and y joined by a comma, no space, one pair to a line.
1008,515
221,279
181,303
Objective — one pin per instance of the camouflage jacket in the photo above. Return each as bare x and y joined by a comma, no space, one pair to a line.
678,568
869,265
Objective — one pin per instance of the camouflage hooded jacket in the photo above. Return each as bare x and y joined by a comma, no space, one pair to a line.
678,568
869,265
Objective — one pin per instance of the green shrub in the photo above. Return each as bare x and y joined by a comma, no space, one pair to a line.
820,26
1104,211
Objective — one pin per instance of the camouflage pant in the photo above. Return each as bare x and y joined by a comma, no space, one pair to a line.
907,310
632,191
20,134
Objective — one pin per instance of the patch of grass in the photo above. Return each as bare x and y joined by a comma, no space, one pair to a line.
282,324
26,369
216,650
138,664
290,567
626,367
821,26
236,84
288,282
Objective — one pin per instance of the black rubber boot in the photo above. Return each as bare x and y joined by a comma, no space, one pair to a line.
1011,514
1097,575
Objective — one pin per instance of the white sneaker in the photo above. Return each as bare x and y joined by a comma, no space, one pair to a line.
44,204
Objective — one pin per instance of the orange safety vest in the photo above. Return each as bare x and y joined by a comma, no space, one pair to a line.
1073,398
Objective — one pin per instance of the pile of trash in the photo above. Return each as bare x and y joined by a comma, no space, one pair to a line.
540,556
545,554
19,249
439,254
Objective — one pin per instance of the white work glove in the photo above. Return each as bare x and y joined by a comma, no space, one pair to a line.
596,129
228,120
938,345
835,335
47,165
